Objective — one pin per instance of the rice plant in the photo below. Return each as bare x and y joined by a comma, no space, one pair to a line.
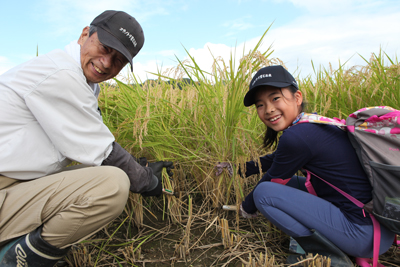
196,119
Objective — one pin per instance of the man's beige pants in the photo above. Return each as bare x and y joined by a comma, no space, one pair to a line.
71,205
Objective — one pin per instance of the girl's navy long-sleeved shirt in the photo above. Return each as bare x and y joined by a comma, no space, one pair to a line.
326,151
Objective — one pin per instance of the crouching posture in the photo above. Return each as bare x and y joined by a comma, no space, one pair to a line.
49,118
328,224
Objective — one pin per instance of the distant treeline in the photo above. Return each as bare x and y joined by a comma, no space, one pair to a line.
175,83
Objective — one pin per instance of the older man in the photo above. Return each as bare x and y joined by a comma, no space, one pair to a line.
50,117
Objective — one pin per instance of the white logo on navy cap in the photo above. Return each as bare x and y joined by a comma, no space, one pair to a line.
262,76
129,35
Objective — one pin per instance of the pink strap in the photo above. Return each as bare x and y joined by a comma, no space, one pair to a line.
280,181
396,242
352,199
363,262
308,184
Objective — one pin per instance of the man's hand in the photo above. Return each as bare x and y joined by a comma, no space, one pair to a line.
157,168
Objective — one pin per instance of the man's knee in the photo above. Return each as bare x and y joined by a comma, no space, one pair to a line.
116,176
99,196
117,185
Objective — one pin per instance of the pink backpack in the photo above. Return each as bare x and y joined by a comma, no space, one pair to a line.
375,135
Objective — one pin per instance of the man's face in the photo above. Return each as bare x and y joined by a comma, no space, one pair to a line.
99,62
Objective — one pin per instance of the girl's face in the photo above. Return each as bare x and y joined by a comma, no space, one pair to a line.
278,108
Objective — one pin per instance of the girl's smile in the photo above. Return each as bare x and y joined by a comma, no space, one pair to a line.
277,107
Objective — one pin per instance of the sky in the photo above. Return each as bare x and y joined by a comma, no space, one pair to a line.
302,33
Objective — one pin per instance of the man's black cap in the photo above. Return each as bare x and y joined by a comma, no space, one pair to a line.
120,31
276,76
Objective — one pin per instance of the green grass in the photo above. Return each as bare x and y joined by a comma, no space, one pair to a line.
206,122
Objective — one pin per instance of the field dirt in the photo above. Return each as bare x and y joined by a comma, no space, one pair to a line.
161,242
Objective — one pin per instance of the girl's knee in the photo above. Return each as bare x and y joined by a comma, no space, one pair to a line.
266,188
268,193
260,193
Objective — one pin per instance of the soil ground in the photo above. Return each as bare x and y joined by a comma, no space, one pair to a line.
196,241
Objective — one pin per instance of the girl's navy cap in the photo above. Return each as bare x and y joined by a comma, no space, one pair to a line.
276,76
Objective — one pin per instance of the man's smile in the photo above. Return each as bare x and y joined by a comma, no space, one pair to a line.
97,69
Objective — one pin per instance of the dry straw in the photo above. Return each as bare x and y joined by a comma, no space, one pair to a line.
200,121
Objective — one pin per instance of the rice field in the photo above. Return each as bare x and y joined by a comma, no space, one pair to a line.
197,119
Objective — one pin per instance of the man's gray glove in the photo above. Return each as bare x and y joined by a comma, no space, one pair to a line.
141,178
157,168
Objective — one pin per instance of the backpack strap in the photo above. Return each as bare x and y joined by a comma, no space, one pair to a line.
352,199
396,242
315,118
363,262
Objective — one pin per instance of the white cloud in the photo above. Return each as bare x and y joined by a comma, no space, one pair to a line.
330,31
323,40
317,36
143,71
328,39
204,58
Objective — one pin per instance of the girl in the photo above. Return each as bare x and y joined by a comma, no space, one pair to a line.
329,224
